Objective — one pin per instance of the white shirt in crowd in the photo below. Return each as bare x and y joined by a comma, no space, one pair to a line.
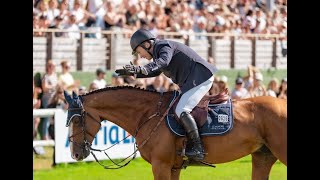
271,93
100,83
239,94
67,81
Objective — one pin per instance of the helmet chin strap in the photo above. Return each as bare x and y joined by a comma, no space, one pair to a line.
148,49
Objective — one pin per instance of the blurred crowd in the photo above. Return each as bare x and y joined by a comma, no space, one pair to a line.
182,16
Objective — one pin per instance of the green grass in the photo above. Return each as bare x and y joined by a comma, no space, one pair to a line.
139,169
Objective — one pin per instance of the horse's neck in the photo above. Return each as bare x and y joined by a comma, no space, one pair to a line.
126,108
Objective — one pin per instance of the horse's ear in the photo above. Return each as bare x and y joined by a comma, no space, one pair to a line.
74,95
67,97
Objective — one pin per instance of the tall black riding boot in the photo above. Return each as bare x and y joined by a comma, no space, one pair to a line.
196,151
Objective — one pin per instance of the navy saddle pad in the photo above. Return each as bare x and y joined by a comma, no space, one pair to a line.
219,120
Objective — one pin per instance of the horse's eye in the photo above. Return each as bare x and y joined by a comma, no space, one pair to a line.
76,121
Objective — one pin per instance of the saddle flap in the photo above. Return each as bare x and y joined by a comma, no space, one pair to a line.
200,115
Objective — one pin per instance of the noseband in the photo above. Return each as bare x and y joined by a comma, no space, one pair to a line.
81,114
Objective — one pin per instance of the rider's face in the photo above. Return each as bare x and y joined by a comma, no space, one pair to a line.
143,53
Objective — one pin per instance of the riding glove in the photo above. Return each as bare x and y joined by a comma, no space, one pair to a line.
135,69
123,72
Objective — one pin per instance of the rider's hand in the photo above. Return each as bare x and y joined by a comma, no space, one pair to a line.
132,68
123,72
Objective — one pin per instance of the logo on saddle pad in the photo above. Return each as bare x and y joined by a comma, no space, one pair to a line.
222,118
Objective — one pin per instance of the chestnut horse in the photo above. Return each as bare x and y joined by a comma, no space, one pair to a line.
260,129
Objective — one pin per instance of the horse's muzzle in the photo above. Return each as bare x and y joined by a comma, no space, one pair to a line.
79,156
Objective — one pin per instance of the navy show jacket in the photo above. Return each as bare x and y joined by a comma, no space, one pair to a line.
180,63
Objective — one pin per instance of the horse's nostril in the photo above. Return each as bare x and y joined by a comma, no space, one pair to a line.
76,155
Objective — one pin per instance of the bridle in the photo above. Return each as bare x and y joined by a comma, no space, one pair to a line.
81,114
87,145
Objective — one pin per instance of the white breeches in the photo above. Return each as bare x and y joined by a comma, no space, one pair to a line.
191,98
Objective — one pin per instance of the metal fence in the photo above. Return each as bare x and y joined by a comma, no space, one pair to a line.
43,113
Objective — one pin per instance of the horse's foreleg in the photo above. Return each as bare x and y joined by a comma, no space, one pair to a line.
175,174
261,165
161,171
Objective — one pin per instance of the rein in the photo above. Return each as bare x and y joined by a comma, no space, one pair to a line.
158,124
84,131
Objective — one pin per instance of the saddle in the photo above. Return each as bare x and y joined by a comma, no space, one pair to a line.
200,112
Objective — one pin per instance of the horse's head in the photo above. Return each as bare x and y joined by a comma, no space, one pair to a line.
80,133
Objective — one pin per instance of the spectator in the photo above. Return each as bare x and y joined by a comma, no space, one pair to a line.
36,105
35,10
112,18
37,82
82,90
283,89
239,92
100,81
258,87
73,27
214,90
42,7
66,79
132,19
49,83
57,25
153,27
80,14
92,87
64,12
40,23
248,80
161,17
223,83
36,26
53,11
200,28
273,87
57,101
157,84
116,80
36,120
96,8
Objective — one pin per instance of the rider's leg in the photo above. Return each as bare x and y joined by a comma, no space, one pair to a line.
196,151
187,102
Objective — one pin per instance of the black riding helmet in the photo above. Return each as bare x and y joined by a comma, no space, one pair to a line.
139,37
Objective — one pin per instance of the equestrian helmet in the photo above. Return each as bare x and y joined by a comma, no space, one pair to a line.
139,37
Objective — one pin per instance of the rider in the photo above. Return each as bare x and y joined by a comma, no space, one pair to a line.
185,67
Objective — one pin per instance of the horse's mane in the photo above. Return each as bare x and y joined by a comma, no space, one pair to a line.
120,87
